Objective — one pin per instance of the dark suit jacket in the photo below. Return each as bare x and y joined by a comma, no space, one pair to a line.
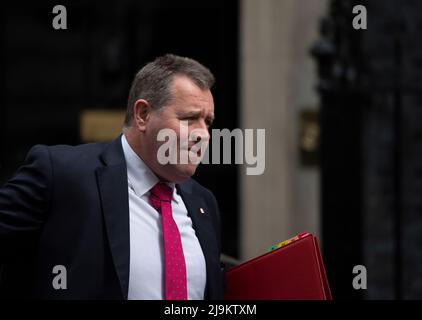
69,206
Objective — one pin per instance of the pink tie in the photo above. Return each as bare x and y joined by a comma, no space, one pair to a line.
175,266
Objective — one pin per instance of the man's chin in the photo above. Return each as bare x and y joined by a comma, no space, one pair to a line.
184,172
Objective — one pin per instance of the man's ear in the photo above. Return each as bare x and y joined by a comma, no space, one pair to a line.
141,114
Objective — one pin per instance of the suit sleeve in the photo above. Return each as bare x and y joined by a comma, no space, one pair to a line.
24,203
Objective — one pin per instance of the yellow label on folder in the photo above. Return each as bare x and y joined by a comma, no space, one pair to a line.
286,242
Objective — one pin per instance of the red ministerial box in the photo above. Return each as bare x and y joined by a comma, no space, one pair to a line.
294,271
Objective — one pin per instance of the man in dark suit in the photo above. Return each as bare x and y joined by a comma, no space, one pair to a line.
110,220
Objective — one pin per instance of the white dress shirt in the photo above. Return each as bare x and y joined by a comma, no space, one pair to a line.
146,275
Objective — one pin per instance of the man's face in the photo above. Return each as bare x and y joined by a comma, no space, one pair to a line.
189,105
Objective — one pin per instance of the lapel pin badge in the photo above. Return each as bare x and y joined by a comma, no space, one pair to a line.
201,210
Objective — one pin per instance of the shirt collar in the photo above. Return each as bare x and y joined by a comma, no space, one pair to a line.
140,177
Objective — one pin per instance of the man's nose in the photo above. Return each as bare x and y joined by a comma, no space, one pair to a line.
201,131
203,126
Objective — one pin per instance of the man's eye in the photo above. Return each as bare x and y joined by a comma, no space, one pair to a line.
191,119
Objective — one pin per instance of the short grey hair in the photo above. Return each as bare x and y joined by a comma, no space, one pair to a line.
152,82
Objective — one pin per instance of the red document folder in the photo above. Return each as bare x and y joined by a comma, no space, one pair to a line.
295,271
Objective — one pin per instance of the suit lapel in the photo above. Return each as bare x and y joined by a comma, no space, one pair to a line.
113,188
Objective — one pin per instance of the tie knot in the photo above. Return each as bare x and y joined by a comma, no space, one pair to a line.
162,192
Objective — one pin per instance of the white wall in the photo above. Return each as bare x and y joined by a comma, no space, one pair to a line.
278,79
